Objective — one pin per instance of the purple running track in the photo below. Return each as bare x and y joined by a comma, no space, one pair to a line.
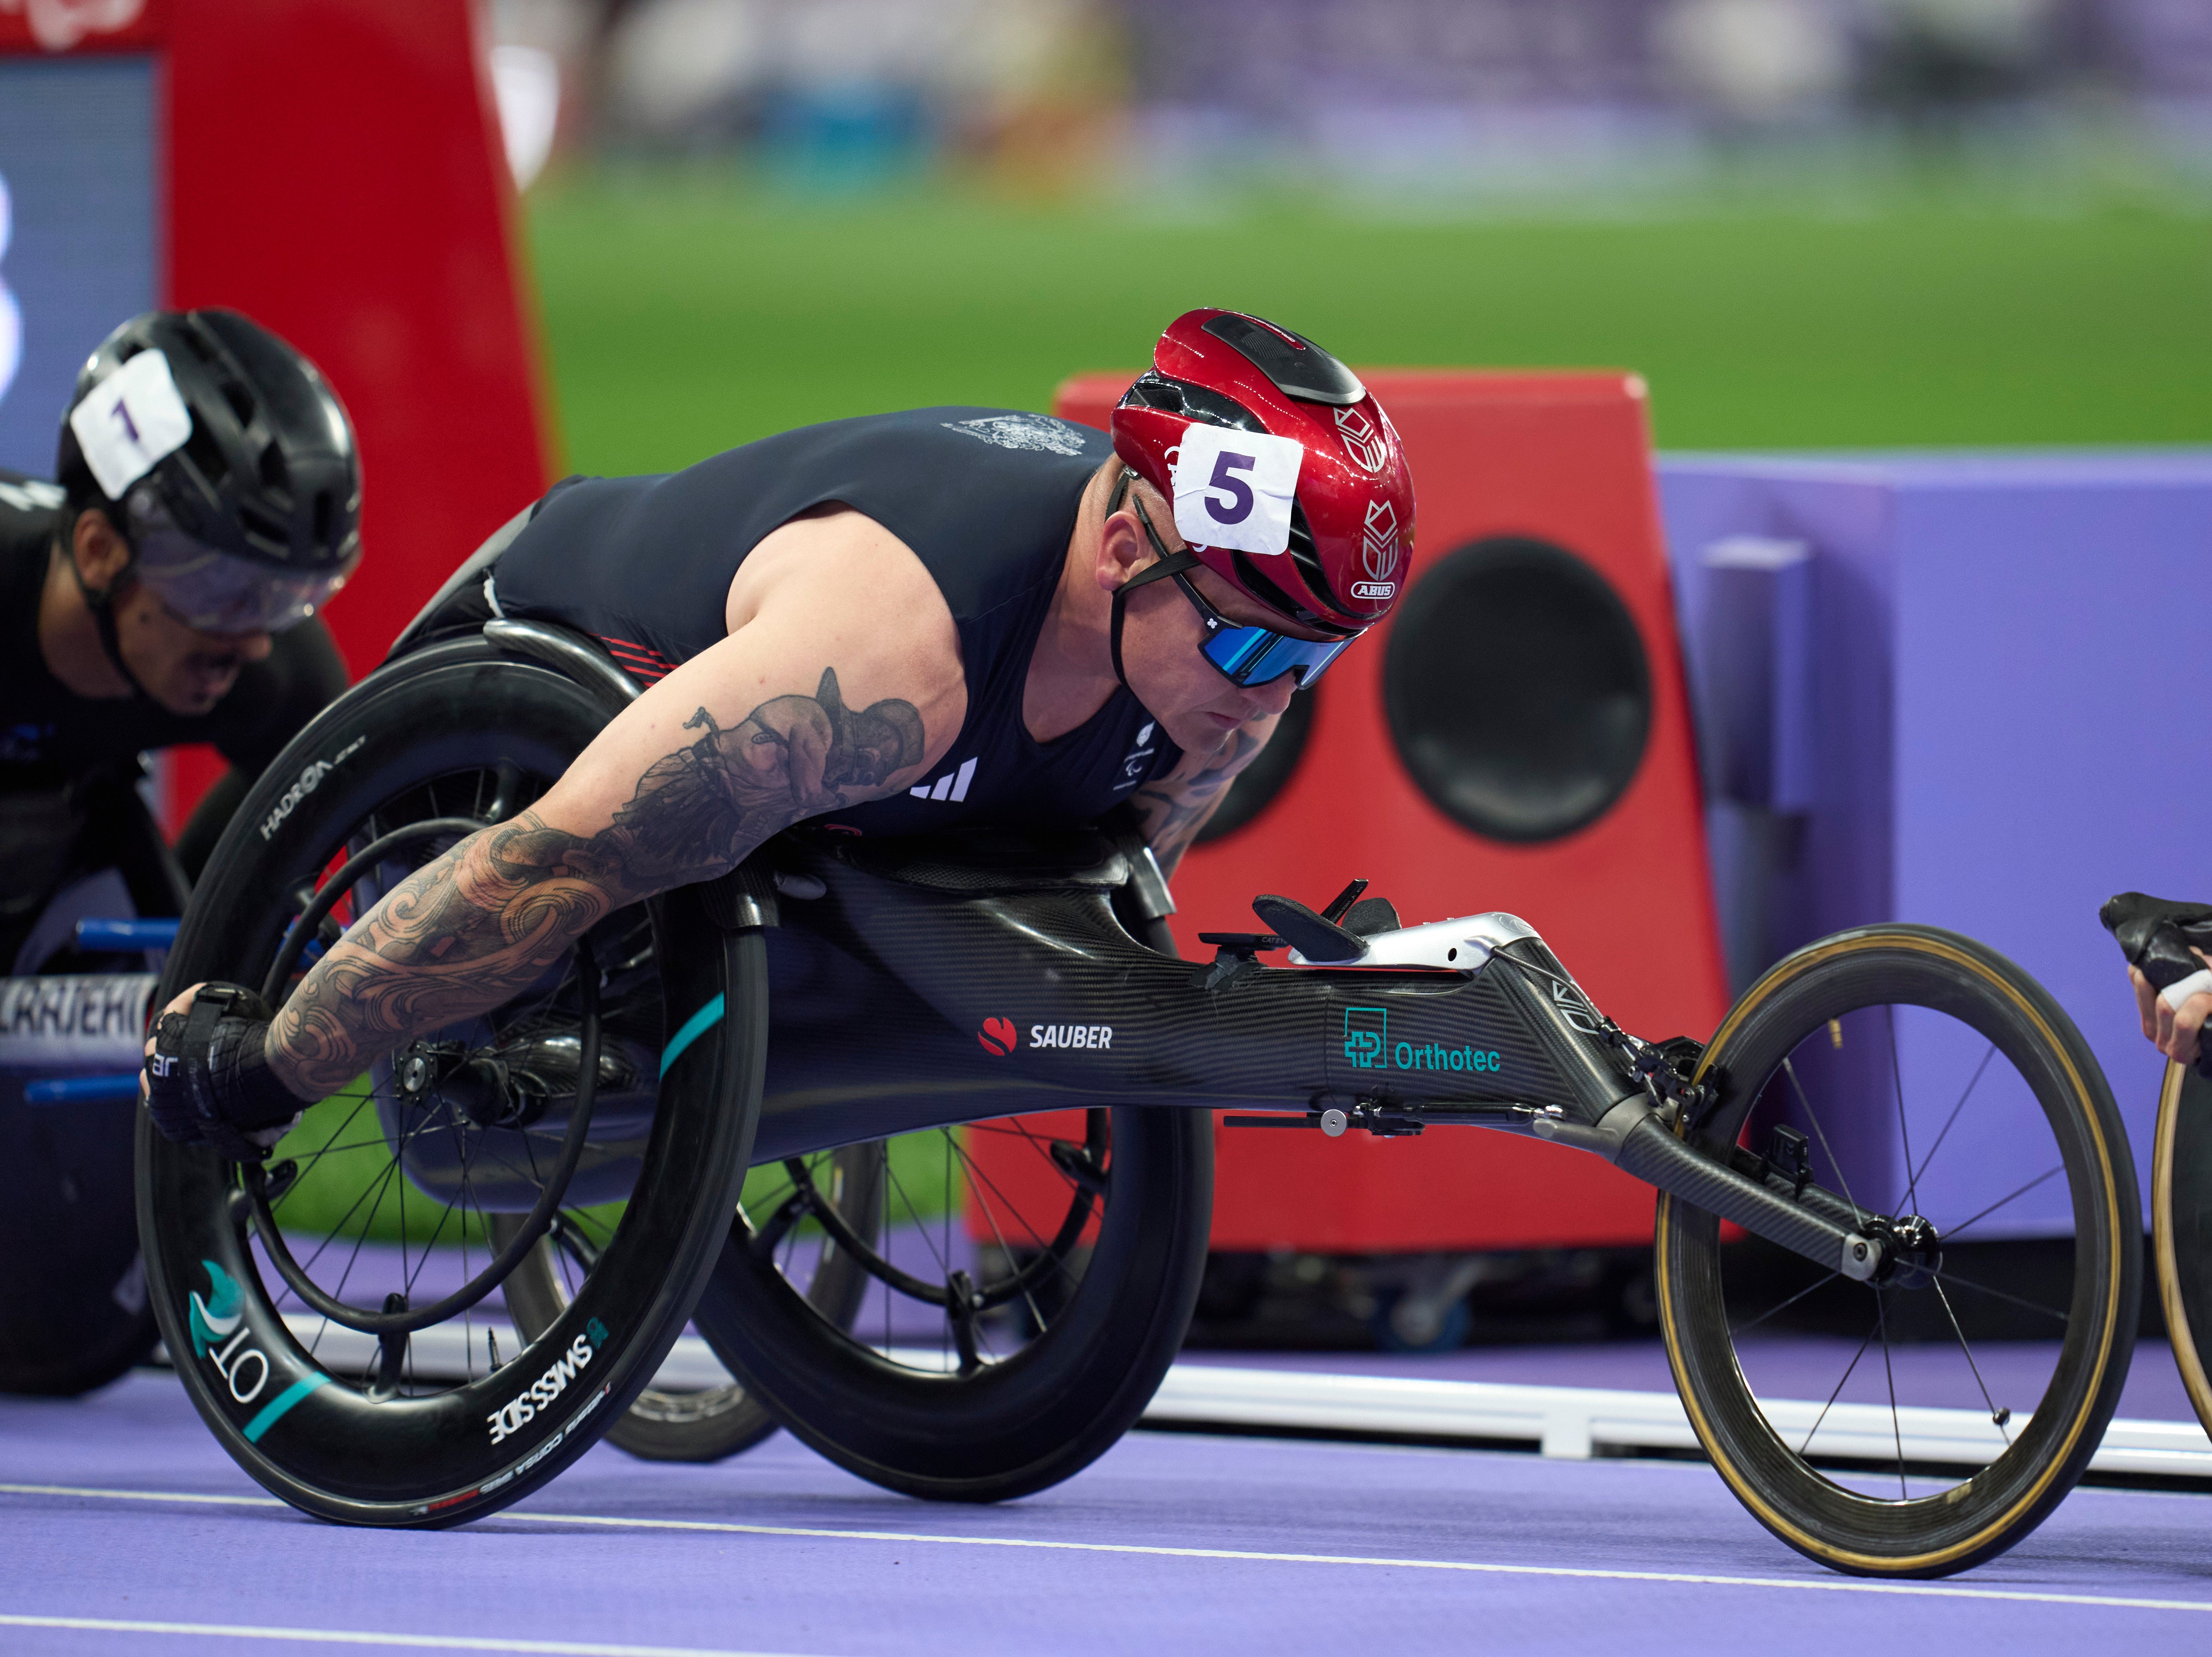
928,1580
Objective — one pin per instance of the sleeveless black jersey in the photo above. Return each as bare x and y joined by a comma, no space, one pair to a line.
986,498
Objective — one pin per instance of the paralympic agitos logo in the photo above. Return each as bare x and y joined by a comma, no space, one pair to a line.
1368,1045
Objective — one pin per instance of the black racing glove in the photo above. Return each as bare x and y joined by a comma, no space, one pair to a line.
208,1081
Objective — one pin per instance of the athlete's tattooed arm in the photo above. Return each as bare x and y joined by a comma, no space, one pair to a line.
477,926
1173,808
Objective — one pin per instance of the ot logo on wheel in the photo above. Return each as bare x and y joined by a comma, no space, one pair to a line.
999,1035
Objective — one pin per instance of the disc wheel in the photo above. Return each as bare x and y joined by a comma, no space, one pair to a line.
333,1314
710,1422
2181,1229
1031,1281
1923,1422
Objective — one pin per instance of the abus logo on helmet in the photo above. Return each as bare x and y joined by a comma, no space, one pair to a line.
1361,440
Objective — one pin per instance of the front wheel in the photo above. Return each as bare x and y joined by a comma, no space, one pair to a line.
1923,1423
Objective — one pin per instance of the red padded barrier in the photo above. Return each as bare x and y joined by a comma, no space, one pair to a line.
1626,901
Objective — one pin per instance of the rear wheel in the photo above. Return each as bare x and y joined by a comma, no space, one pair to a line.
1925,1422
2181,1213
1031,1281
333,1315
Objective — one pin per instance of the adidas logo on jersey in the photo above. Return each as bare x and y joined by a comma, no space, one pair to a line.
953,785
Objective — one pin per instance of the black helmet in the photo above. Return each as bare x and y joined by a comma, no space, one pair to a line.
243,506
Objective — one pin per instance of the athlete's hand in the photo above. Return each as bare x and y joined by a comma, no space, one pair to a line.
206,1078
181,1005
2175,1031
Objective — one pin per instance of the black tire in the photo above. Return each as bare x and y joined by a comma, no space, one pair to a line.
75,1315
713,1423
458,732
2181,1227
1824,1029
1065,1369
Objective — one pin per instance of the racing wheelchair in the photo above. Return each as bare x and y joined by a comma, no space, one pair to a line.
576,1161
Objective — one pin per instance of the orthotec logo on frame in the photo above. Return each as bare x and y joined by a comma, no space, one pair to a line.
1368,1045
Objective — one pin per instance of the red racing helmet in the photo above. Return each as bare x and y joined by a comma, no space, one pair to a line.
1300,497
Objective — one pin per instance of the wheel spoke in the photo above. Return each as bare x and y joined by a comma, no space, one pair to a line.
1807,1446
1739,1330
1913,1174
1997,1415
914,1213
1790,1070
1903,1131
1946,1275
1958,1230
1027,1299
991,1186
1896,1429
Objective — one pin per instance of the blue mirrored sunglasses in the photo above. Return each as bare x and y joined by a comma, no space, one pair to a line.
1243,655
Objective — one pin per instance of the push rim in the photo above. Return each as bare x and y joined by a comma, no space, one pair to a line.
990,1268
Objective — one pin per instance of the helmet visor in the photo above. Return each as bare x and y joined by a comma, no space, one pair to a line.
221,593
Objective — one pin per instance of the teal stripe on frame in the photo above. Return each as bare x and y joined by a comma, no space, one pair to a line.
694,1027
275,1411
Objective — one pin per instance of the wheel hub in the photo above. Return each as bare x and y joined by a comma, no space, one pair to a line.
480,1085
1913,1252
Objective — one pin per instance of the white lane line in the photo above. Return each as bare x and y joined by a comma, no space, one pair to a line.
139,1495
332,1636
1819,1584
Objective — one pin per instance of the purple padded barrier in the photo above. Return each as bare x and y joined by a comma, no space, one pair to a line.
2007,673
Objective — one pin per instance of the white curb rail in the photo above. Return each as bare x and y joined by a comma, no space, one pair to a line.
1576,1422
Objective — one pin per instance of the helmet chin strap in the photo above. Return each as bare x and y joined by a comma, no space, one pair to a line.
101,601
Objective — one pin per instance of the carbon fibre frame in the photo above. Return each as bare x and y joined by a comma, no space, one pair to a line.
924,983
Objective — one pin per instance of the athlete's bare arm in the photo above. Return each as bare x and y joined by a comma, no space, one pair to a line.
841,682
1173,808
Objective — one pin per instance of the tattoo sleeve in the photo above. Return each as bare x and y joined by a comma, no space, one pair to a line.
1175,808
480,924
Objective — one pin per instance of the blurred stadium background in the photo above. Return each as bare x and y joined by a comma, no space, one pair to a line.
1807,222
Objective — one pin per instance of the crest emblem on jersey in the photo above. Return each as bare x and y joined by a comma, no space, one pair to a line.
1378,540
1039,433
1361,440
